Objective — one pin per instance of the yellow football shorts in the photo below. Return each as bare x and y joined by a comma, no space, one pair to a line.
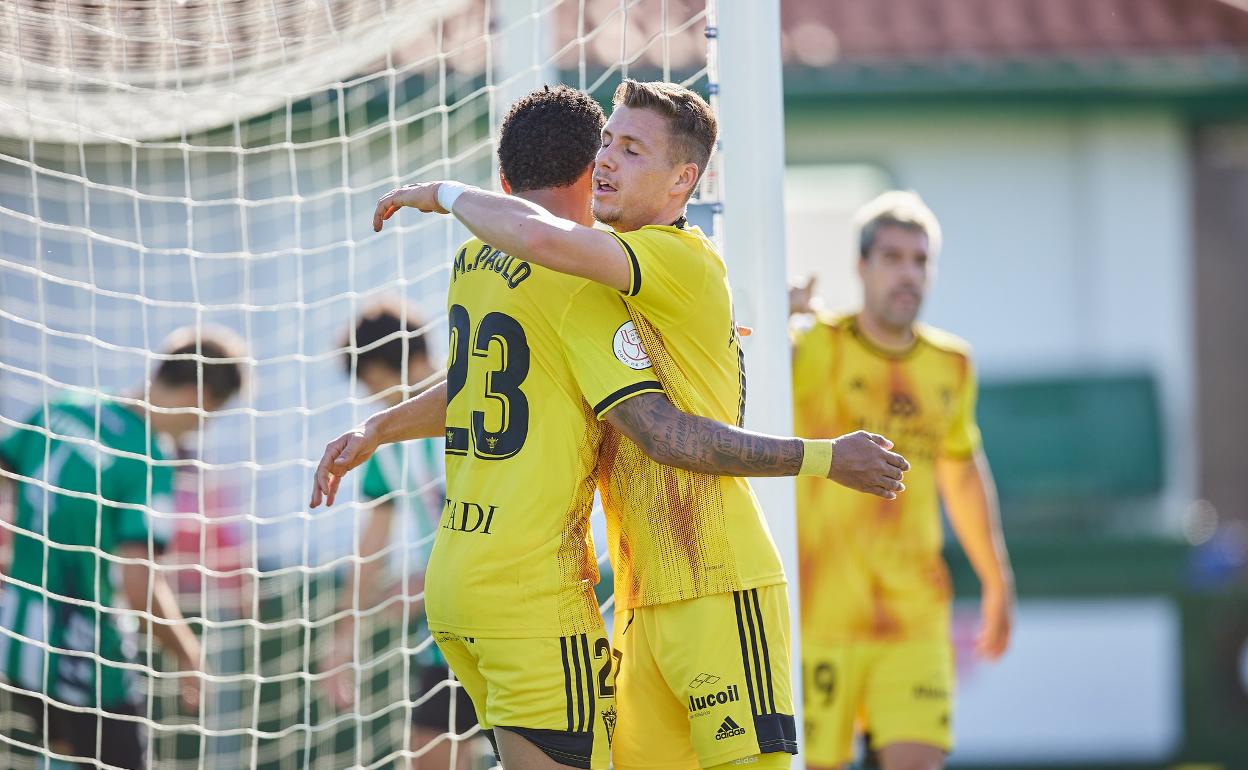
899,692
705,682
557,693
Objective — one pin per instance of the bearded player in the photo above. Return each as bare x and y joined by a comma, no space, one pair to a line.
875,589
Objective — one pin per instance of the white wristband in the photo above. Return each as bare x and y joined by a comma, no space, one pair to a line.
448,192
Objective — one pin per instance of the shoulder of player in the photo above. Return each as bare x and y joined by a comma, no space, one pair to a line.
814,332
688,240
583,295
944,342
834,324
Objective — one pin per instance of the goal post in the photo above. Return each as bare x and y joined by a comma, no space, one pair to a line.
751,127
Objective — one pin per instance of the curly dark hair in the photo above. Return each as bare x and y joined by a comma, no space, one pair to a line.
549,138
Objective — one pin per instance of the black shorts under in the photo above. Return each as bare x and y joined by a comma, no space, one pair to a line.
121,741
435,713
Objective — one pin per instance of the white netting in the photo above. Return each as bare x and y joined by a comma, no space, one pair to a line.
173,162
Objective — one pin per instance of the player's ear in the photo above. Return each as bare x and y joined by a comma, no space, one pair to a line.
686,180
502,181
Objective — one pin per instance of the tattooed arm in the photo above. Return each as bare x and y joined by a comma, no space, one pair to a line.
672,437
669,436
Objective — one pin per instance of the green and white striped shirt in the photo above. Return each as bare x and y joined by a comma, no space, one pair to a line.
92,467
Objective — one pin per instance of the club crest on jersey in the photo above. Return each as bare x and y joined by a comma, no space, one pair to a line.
608,721
628,348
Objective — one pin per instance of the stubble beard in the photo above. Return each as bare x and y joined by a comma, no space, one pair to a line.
608,216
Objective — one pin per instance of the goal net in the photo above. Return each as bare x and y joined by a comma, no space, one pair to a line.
216,162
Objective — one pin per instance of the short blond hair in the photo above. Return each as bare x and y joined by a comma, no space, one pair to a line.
691,122
899,208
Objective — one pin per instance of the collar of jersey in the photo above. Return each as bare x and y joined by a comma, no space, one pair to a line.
866,342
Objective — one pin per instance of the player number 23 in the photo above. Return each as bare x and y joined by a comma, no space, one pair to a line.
501,332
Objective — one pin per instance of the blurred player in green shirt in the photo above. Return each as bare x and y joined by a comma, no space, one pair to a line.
87,469
403,483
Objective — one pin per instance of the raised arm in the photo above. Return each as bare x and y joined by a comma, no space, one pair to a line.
860,461
519,228
423,416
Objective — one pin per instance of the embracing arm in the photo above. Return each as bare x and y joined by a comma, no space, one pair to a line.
669,436
521,228
422,416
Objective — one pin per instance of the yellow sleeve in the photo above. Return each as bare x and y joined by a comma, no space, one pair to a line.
604,350
667,273
963,438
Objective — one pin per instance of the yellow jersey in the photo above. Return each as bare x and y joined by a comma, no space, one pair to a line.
674,534
536,357
871,569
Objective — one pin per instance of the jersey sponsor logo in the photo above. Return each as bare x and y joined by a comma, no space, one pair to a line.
927,692
702,679
628,348
510,269
465,516
703,702
729,729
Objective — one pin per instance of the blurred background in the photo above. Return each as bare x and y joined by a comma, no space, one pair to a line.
1088,162
1087,159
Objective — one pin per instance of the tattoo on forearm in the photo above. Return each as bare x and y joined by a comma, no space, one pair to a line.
675,438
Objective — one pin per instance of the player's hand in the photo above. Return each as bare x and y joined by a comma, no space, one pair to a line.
190,683
340,684
996,620
801,296
862,461
188,693
348,451
422,195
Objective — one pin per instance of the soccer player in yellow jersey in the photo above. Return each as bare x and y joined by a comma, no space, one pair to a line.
702,629
536,356
875,591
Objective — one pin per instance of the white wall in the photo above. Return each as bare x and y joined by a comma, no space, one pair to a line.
1067,239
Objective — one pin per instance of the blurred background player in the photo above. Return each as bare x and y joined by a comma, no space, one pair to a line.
388,354
93,466
875,590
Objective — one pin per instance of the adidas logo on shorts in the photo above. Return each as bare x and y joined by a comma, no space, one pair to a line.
729,729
